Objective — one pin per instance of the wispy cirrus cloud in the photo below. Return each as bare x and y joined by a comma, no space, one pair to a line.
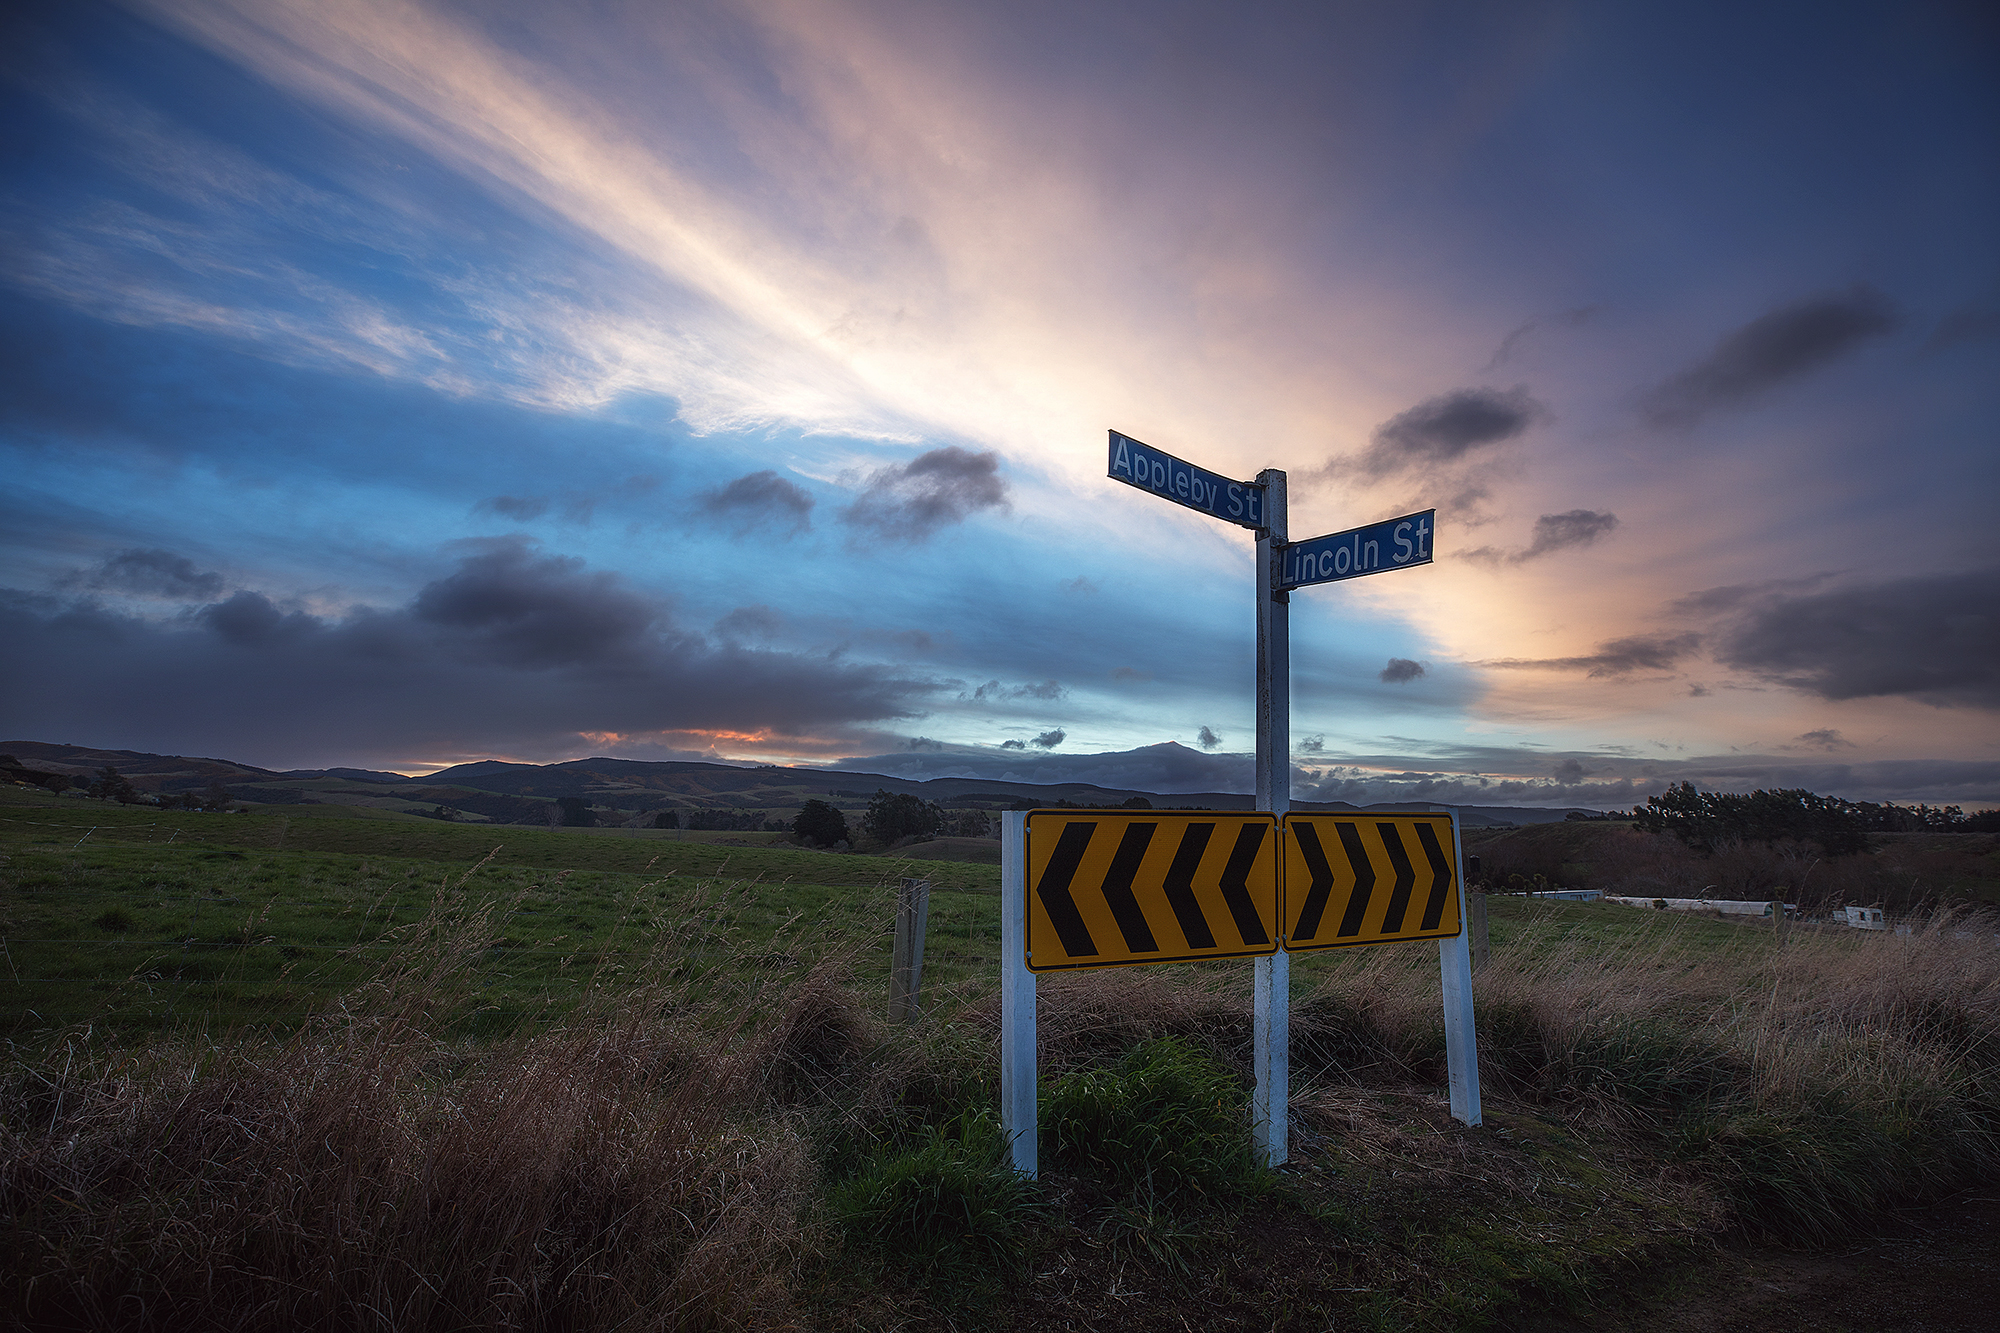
1786,344
1615,657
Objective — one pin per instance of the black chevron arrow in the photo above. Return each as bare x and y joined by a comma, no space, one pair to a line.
1054,891
1440,875
1234,891
1364,878
1118,888
1322,881
1406,879
1180,886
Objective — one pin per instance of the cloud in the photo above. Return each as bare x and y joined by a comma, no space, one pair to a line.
911,502
1209,739
1967,324
1401,670
925,743
1049,740
749,623
1130,673
993,691
511,649
1783,345
1711,601
1557,532
1933,637
1826,739
1553,532
1698,691
512,606
1446,428
521,508
1312,745
149,573
760,500
1617,657
1013,745
1081,583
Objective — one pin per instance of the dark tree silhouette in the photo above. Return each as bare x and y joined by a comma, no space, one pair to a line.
820,824
894,815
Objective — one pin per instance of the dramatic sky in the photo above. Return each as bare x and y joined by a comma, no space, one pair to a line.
400,382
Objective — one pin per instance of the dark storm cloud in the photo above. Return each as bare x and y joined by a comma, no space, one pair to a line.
1049,740
513,648
762,499
1617,657
1766,352
1209,738
150,573
510,606
1400,671
913,501
1825,738
1448,427
1935,638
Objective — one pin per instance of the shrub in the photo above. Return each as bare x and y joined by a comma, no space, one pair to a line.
954,1203
114,919
1166,1118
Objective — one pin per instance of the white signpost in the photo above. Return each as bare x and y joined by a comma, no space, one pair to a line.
1281,566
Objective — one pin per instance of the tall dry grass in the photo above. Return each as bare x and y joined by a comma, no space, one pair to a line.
623,1168
1817,1075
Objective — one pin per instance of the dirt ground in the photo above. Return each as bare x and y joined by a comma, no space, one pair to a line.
1928,1270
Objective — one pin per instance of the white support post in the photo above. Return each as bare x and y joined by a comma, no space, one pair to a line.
1017,999
1461,1045
1272,984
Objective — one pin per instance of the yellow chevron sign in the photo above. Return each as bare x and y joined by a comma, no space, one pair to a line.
1368,879
1110,888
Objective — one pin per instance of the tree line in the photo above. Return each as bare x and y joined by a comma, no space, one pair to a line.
1706,820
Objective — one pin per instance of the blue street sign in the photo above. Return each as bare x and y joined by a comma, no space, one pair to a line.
1169,478
1396,543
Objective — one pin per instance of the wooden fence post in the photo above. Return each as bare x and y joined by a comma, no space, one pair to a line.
1475,927
906,963
1475,914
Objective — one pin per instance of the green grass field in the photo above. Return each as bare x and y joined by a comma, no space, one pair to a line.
137,921
312,1063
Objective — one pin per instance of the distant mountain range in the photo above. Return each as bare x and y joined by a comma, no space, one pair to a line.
522,793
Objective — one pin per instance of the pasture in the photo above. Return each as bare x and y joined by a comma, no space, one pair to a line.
291,1069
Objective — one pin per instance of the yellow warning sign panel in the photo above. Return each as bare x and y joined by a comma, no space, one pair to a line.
1110,888
1369,879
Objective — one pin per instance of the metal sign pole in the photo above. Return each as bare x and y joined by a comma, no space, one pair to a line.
1461,1044
1272,984
1017,999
